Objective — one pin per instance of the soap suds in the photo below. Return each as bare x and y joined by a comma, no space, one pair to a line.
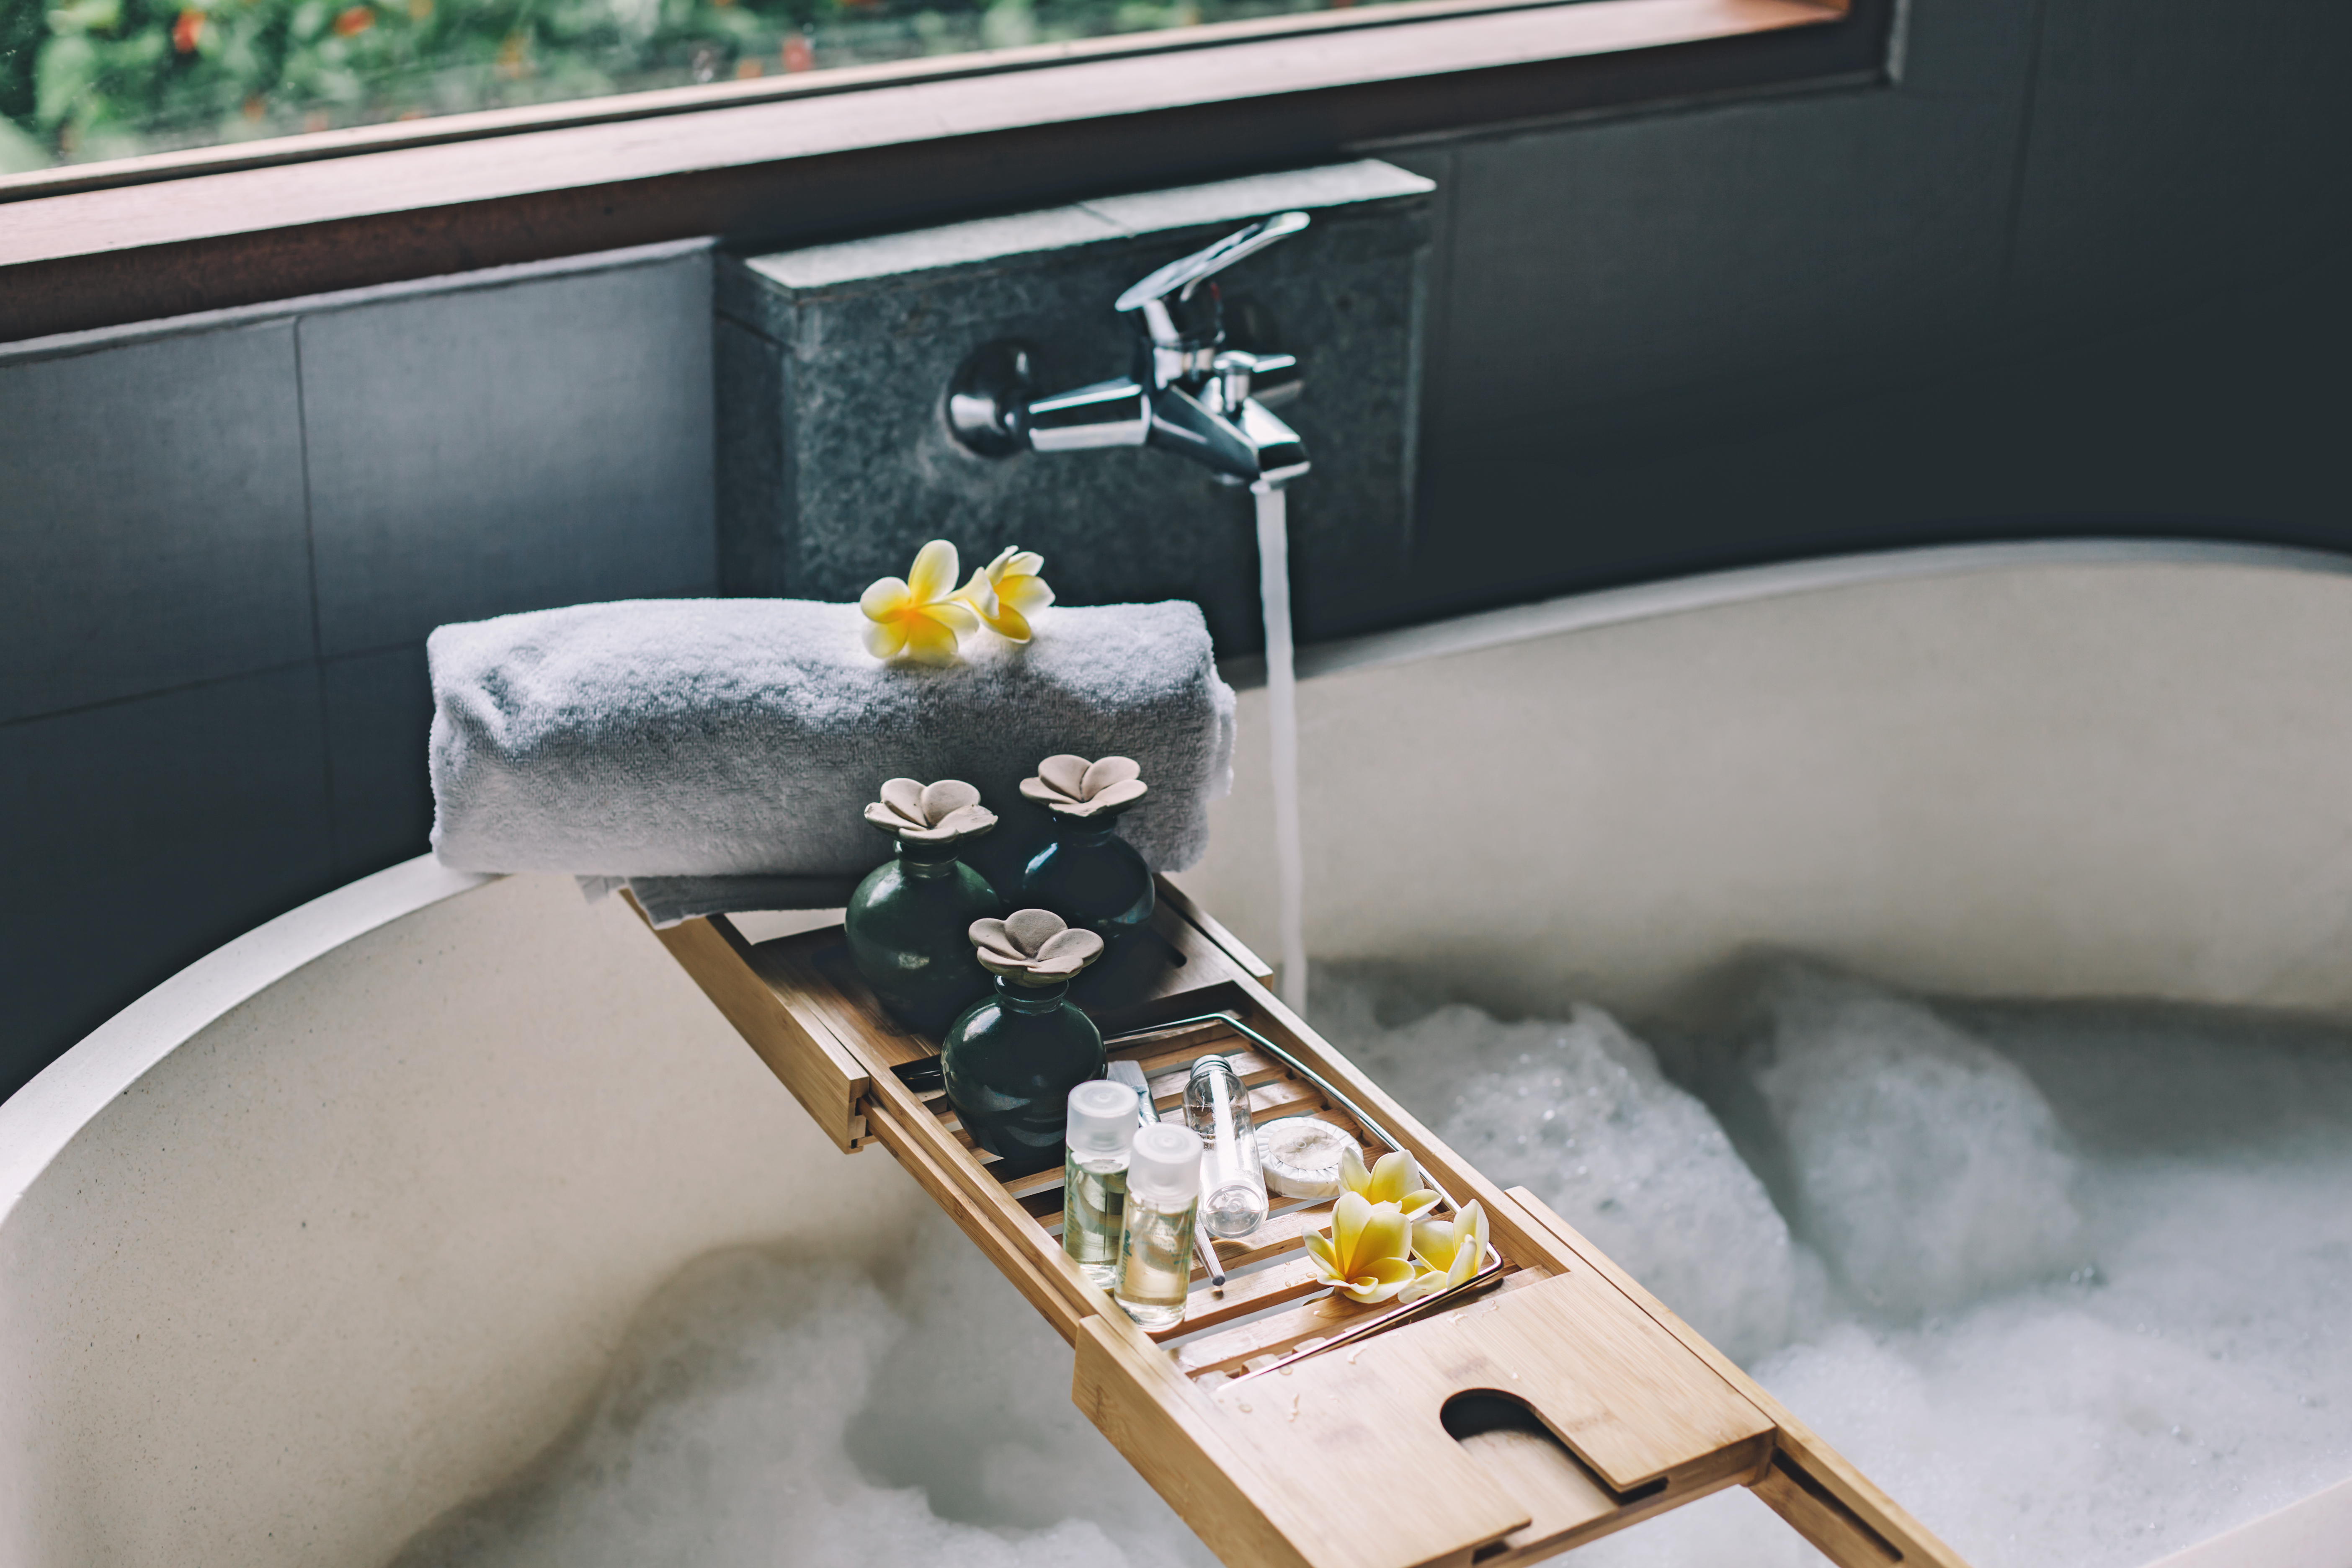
2067,1283
796,1413
2193,1381
1579,1112
1925,1167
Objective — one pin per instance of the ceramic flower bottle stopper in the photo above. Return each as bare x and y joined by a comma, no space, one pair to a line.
1088,873
1010,1062
906,920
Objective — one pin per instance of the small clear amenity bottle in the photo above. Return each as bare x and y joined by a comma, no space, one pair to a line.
1233,1172
1155,1249
1103,1118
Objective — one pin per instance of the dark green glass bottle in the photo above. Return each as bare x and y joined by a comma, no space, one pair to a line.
905,927
1091,878
1009,1064
1089,875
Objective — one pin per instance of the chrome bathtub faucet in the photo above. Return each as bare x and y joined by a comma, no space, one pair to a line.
1189,394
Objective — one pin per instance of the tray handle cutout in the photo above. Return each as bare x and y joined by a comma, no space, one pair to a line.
1543,1473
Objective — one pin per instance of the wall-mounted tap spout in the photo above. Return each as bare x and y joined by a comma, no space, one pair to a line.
1189,394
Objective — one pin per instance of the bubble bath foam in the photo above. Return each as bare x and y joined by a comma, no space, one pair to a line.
2066,1280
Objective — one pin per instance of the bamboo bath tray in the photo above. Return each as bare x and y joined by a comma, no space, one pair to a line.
1551,1402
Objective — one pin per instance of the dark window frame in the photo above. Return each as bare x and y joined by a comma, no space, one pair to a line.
873,149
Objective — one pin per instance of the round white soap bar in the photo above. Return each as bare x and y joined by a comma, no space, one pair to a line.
1302,1156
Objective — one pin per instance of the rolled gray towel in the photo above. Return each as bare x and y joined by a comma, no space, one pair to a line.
721,738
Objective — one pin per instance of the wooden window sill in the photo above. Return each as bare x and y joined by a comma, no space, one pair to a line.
876,148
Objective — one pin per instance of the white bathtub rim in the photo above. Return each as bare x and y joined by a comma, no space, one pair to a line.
1780,579
39,1120
2314,1531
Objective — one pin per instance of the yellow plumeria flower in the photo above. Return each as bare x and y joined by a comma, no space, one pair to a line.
1395,1180
1008,594
1447,1252
919,615
1362,1257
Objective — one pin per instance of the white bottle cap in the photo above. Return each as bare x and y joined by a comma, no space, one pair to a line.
1103,1117
1164,1164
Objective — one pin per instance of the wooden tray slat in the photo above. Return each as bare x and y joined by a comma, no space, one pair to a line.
1319,1319
1279,1233
1168,1081
1157,1051
1173,1054
1244,1294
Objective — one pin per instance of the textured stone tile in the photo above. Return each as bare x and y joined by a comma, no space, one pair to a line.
1330,189
854,469
378,709
921,250
474,453
145,834
150,517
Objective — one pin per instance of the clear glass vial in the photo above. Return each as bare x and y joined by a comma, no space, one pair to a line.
1102,1120
1233,1175
1155,1246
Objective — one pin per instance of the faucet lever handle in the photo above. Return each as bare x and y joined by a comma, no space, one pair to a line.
1181,276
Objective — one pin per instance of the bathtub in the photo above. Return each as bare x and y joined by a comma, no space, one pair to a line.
339,1227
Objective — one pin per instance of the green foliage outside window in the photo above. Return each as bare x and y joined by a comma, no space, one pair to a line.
81,80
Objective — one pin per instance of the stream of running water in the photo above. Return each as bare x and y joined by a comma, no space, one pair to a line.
1282,713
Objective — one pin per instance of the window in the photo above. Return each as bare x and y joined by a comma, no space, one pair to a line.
1137,94
90,79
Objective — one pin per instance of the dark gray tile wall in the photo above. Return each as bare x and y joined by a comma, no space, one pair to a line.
498,449
2221,420
145,833
192,738
1657,271
1696,338
1680,281
379,708
154,533
2179,148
